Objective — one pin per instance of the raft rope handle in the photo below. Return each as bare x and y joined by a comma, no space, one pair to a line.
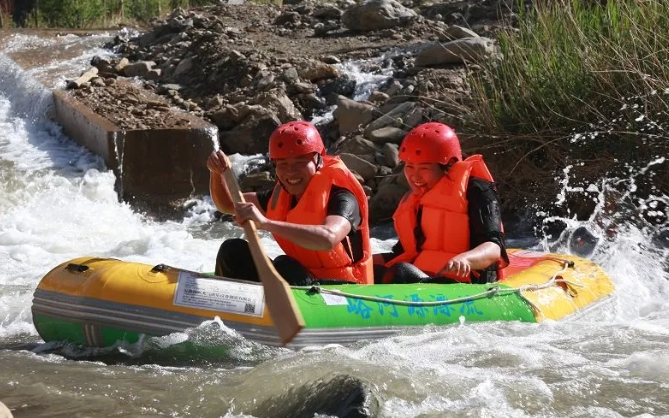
318,289
491,291
567,263
557,278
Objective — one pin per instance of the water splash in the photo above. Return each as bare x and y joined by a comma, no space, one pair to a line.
211,343
53,59
27,98
368,75
627,231
212,132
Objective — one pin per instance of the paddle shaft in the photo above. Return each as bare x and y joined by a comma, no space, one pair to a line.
278,295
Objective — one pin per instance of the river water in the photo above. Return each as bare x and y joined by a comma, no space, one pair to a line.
57,202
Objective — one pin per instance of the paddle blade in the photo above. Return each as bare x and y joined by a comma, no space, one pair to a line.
280,301
278,295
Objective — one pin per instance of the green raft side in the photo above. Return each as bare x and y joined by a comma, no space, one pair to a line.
52,329
477,303
56,329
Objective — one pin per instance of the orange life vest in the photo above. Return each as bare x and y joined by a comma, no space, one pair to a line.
444,220
311,209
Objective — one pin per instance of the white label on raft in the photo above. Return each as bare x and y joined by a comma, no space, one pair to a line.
331,299
195,291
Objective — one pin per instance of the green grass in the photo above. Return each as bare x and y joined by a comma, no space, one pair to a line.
573,62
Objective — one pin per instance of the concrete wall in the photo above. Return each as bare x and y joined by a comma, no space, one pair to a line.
156,170
86,128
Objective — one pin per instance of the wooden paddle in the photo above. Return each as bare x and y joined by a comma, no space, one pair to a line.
282,307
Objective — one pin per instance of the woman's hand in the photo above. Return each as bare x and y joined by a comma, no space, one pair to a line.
459,266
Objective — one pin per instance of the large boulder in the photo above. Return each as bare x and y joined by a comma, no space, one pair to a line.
352,115
4,411
365,169
280,103
377,14
251,136
383,204
314,70
474,49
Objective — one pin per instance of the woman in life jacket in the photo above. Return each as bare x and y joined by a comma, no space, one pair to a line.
317,213
449,224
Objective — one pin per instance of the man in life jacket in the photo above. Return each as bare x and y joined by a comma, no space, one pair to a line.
317,212
449,224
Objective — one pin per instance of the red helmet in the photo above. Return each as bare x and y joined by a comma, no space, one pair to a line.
295,138
430,142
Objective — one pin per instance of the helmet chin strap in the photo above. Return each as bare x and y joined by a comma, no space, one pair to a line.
319,161
446,167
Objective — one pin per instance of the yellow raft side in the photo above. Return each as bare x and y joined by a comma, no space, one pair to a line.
131,283
577,287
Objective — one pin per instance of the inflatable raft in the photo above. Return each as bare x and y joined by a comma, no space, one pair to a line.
101,302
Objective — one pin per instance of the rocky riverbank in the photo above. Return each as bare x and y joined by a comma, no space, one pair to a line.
248,68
